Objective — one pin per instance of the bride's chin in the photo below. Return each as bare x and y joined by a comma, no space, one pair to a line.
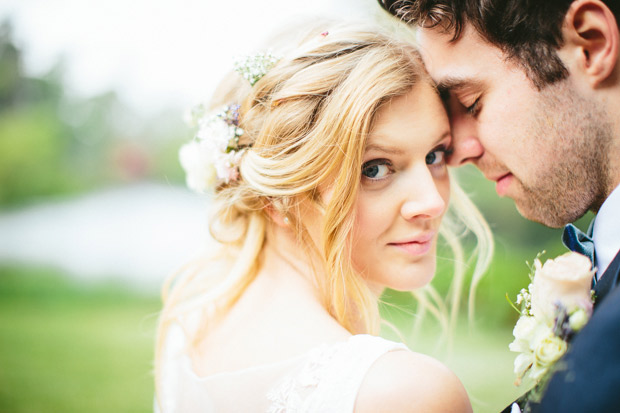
404,283
411,286
413,281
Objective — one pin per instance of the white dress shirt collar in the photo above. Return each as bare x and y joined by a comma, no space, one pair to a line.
606,232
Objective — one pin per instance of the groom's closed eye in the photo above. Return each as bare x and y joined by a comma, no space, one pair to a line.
465,90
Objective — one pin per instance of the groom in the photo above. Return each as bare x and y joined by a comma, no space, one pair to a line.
533,93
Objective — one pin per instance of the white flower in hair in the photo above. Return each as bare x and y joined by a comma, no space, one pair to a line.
216,131
214,153
196,160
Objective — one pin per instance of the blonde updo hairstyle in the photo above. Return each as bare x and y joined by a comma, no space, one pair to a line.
307,121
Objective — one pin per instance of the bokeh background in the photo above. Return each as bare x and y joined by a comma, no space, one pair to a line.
94,214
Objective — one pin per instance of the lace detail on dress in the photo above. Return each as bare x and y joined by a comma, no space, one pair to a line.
287,396
330,379
324,379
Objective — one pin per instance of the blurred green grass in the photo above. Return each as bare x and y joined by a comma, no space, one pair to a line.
73,347
68,347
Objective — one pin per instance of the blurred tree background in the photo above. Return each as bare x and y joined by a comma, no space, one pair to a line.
73,347
52,144
67,346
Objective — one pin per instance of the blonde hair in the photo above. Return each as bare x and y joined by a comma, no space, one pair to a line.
307,121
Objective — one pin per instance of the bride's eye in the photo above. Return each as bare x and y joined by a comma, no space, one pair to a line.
436,157
376,169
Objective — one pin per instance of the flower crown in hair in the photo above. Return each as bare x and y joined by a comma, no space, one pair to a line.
215,154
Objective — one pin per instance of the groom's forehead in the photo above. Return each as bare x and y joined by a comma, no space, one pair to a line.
455,62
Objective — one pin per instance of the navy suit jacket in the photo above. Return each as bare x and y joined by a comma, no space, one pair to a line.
589,380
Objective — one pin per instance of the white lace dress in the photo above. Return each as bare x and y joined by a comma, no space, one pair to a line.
325,379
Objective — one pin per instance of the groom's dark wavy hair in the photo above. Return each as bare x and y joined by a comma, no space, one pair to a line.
527,31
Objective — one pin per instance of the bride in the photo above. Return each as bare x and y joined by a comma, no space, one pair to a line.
330,179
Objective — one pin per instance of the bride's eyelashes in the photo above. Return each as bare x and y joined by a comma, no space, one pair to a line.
438,156
377,169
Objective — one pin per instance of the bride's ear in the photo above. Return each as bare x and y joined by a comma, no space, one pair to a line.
277,217
590,34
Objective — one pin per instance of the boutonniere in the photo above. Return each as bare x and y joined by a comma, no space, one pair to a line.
556,305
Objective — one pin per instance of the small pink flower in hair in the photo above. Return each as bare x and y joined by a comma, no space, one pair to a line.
227,166
325,33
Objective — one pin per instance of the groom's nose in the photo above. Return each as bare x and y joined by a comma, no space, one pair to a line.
466,146
465,149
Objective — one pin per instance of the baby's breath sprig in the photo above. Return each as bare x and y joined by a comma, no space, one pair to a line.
524,298
254,67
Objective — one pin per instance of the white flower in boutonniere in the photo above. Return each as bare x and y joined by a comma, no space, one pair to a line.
565,281
556,305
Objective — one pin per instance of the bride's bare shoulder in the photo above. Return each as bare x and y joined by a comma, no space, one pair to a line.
403,381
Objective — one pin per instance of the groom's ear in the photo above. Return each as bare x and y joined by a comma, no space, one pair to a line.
591,38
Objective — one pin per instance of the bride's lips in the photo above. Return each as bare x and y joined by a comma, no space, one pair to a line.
416,245
502,183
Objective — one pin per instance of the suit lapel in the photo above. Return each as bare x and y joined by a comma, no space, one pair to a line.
608,281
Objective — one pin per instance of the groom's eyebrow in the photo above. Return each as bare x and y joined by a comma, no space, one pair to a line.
451,84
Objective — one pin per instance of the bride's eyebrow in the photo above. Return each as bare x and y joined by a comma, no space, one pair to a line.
374,146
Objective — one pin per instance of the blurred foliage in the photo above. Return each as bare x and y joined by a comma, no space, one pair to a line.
66,347
52,143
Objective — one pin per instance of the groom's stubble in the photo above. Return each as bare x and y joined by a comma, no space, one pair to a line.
573,176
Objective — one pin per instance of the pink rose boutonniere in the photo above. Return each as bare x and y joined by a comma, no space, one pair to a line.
556,305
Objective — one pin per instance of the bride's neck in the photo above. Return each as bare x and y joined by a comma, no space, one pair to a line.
286,261
288,268
285,292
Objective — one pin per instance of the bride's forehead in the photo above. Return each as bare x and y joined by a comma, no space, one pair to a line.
406,122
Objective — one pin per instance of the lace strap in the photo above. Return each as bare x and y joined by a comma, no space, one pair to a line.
330,379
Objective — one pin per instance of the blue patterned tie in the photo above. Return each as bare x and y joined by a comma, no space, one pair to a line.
576,240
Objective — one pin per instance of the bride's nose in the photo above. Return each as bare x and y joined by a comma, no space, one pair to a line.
423,198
